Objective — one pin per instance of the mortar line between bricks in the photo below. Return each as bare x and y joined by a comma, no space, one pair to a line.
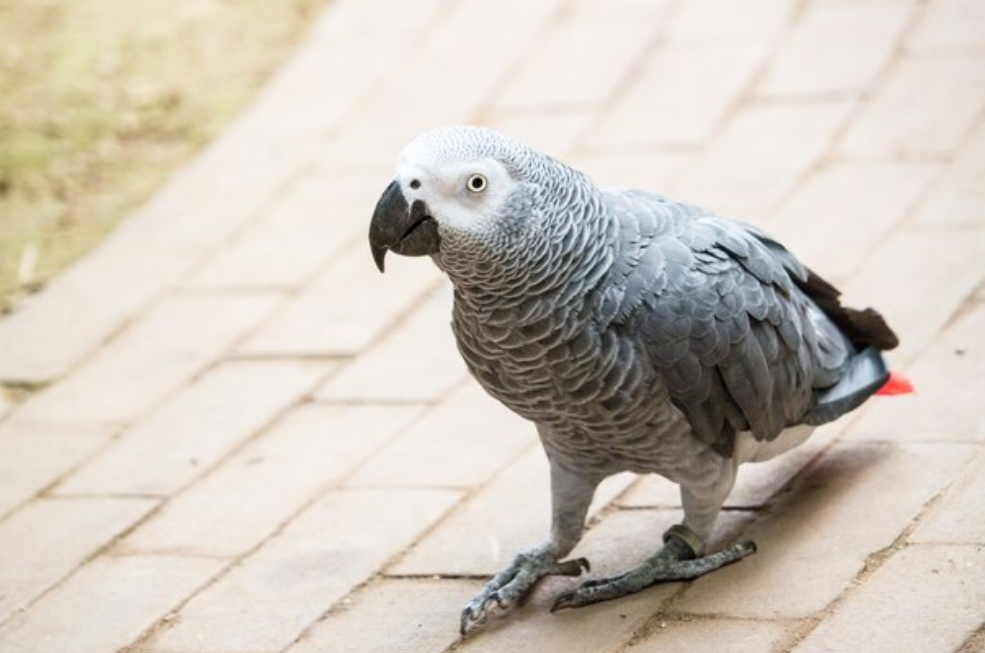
155,510
405,53
117,432
466,495
120,429
156,298
745,96
380,575
100,550
861,101
907,220
630,75
234,562
973,299
975,643
338,485
875,560
485,106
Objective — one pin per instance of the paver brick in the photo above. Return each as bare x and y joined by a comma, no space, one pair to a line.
393,616
959,198
924,108
106,605
909,604
552,131
414,96
34,457
249,496
305,227
195,428
320,87
561,71
760,154
419,362
711,21
844,211
815,533
510,513
151,359
697,635
958,518
681,95
950,25
654,171
836,47
346,308
461,442
46,540
265,602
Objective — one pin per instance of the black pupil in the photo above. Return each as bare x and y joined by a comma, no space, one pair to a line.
478,183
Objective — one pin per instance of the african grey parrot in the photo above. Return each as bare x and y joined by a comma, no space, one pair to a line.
638,333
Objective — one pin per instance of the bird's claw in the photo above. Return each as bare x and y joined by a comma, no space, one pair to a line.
510,586
657,569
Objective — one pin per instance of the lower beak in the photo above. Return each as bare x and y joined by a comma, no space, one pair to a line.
404,229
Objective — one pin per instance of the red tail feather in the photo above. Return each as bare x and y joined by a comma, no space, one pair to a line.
897,384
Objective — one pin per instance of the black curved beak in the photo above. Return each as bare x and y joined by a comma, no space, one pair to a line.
407,230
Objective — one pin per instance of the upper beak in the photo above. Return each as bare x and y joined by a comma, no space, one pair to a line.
408,230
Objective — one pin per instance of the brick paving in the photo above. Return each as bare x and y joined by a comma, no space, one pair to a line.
224,432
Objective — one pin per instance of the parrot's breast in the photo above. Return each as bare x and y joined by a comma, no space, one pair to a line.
590,390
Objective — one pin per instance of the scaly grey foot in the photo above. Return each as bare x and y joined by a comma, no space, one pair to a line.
675,561
508,587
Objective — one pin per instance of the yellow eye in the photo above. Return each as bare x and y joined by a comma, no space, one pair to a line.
476,183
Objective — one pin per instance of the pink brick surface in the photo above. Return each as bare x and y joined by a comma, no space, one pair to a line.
461,442
106,605
267,601
876,620
238,437
510,513
393,616
196,428
837,47
155,356
32,458
853,484
264,484
48,539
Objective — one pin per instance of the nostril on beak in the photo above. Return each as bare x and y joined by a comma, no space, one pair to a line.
415,183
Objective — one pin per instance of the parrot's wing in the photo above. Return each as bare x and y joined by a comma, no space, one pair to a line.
722,311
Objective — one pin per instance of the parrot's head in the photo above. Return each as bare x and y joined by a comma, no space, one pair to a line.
464,195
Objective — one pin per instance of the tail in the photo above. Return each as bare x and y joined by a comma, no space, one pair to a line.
867,373
865,328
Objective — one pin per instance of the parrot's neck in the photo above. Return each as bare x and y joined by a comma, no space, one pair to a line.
557,266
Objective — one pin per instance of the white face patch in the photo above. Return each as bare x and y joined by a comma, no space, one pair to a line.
460,195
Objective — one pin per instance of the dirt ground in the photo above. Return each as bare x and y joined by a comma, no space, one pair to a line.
100,100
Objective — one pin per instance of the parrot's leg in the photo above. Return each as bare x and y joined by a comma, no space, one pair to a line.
680,558
570,498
